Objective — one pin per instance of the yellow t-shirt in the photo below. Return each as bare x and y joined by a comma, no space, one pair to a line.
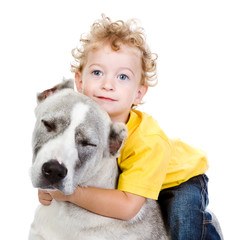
150,161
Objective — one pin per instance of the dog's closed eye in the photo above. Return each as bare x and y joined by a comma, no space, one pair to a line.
50,125
85,143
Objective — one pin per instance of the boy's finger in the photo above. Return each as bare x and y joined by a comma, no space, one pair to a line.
44,195
45,202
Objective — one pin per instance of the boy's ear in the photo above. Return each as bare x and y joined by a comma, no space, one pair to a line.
78,82
140,94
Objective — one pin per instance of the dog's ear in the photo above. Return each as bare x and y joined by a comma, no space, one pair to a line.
118,133
65,84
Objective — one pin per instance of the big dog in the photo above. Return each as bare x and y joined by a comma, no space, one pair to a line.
75,143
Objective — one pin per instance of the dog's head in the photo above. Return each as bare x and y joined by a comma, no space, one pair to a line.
71,139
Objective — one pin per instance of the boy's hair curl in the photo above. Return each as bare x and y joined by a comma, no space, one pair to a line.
117,33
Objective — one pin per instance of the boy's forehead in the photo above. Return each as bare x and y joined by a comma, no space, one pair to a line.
125,53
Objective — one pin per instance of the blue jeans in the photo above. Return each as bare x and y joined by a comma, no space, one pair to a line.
184,209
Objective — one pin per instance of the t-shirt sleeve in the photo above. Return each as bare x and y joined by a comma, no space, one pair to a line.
144,165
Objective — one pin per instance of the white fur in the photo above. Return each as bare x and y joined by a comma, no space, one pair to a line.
66,221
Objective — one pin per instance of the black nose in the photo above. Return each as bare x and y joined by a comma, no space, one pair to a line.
53,171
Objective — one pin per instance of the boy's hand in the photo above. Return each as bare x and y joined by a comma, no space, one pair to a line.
59,196
44,197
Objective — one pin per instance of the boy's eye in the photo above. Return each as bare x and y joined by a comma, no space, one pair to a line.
97,73
123,77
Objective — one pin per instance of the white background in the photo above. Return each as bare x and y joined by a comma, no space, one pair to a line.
191,101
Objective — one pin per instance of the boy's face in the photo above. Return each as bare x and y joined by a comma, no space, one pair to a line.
112,79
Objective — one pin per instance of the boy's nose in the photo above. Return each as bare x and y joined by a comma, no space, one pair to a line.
108,84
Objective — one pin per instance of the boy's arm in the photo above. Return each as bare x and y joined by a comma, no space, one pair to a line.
106,202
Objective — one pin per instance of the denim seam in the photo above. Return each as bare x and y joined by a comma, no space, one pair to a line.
204,203
201,208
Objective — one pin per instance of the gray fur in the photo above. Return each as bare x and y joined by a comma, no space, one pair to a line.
93,164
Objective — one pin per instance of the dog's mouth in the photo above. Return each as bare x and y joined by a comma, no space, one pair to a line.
64,188
46,185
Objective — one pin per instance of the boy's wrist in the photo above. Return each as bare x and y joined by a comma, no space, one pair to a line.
72,198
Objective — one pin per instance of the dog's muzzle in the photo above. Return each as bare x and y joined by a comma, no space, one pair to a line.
54,171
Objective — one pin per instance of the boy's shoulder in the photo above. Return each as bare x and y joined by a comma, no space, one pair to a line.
139,118
143,123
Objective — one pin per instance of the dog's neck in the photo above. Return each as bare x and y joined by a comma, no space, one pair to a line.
106,177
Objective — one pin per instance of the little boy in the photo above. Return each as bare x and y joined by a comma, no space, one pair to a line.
114,67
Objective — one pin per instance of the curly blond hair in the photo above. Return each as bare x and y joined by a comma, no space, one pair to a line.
117,33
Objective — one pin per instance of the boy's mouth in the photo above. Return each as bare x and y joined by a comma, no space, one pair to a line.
106,99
